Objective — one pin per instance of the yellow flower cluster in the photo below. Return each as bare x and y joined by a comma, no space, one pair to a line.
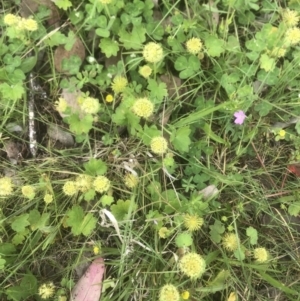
159,145
192,265
28,192
89,105
70,188
153,52
143,107
83,183
169,293
193,222
131,180
101,184
185,295
119,84
145,71
261,255
61,105
6,186
194,45
292,36
48,198
290,17
20,23
46,290
163,232
109,98
230,242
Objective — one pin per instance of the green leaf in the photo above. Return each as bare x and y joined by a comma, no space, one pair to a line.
109,47
121,209
263,108
95,167
239,254
38,221
133,39
188,66
216,230
28,63
148,133
219,283
183,240
56,39
207,129
252,234
89,195
102,32
80,223
181,140
106,200
157,90
63,4
80,126
267,63
12,92
294,208
20,223
214,46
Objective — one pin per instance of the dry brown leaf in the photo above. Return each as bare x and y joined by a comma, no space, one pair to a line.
61,53
29,7
71,99
173,85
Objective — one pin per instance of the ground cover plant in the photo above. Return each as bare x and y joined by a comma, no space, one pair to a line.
159,138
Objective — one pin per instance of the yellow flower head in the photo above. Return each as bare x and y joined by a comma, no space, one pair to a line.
119,84
192,265
30,24
194,45
83,183
61,105
153,52
6,186
292,36
109,98
46,290
48,198
290,17
96,250
143,107
163,232
261,255
70,188
101,184
159,145
282,133
11,19
145,71
230,242
89,105
169,293
185,295
131,180
193,222
28,192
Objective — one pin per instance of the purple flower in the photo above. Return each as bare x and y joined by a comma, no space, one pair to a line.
239,117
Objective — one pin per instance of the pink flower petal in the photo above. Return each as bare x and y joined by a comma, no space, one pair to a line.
239,117
89,286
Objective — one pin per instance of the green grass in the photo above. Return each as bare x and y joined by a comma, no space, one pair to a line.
233,176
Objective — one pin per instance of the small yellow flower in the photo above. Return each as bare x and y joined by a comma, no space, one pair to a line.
143,107
46,290
153,52
290,17
193,222
232,297
145,71
292,36
163,232
185,295
192,265
89,105
230,242
11,19
6,186
261,255
169,293
194,45
96,250
109,98
101,184
30,24
70,188
119,84
28,191
61,105
48,198
131,180
159,145
83,183
282,133
62,298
